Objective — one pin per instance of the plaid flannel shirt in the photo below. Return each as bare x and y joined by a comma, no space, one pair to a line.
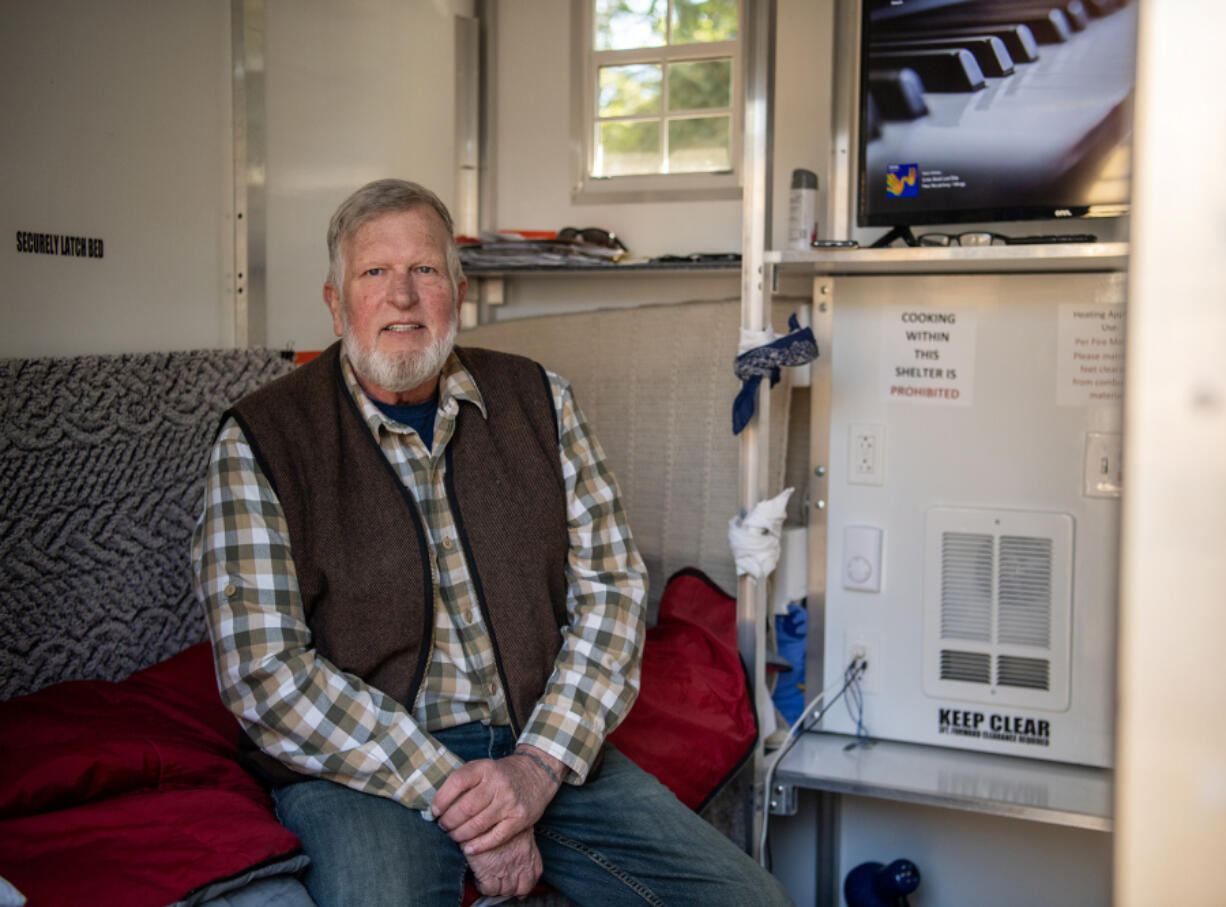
303,710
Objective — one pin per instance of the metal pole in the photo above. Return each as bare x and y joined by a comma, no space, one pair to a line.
755,316
250,157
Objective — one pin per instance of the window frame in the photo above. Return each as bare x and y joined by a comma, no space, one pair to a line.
585,65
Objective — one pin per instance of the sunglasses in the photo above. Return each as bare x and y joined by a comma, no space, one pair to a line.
594,236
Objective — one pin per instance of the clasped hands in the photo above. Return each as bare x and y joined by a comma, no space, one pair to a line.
489,808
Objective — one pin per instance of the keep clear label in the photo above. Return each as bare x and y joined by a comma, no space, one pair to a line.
994,726
928,354
1090,360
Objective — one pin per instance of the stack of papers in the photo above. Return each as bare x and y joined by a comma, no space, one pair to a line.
501,250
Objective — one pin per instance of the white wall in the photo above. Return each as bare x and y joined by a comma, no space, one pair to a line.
804,85
356,91
117,126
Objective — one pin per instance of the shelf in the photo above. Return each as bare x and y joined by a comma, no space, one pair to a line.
605,270
1101,256
1054,792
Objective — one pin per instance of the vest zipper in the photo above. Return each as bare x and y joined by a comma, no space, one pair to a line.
470,562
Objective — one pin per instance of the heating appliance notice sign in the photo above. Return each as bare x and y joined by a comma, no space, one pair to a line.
1090,361
928,355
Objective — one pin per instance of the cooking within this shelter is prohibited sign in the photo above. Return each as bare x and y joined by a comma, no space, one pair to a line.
928,354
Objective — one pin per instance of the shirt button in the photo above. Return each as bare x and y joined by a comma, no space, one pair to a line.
229,591
448,542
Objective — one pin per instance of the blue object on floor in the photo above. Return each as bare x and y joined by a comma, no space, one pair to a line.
877,885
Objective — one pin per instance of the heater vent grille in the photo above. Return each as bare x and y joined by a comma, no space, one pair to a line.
969,667
1032,673
998,606
966,586
1024,597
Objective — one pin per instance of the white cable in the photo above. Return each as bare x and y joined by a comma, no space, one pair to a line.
851,674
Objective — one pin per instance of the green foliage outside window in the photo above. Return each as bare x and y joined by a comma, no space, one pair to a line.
628,148
627,91
700,84
662,112
697,21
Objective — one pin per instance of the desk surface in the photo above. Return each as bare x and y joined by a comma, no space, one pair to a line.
1073,795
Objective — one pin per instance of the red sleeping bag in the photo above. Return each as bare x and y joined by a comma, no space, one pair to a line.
128,793
693,725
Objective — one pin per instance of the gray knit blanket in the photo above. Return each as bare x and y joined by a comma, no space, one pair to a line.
102,462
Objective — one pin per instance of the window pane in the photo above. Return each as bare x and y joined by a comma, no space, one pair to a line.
628,148
700,84
700,145
704,20
627,91
626,24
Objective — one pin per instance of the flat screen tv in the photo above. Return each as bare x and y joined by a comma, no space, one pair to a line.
994,110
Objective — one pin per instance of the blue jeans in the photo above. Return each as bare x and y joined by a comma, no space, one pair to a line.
621,838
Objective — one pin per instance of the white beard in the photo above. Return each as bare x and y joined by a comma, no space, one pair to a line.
401,372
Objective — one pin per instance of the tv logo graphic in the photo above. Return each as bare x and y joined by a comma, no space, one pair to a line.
902,180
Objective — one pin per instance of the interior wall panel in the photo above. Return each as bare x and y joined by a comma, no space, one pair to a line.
117,129
355,91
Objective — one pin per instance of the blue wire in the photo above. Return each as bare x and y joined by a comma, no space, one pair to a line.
855,701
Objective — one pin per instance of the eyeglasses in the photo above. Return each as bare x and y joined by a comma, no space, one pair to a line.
973,238
595,236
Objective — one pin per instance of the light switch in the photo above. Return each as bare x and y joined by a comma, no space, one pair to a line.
1104,466
862,558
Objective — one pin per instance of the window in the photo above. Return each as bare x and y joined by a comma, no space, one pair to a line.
661,86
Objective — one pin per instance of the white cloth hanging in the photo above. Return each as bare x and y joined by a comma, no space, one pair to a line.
755,537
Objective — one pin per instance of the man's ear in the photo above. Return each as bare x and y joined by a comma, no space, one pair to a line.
333,301
461,288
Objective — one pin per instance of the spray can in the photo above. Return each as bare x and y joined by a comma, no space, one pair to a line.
802,210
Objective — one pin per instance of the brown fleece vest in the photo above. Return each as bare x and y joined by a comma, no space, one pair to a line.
360,548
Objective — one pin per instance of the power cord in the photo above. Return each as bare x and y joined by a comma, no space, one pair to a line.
851,675
855,702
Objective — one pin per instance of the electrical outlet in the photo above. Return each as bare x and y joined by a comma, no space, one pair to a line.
866,454
864,646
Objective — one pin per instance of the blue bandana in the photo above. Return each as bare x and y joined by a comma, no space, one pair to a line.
795,348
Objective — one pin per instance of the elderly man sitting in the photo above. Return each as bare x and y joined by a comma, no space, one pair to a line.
427,609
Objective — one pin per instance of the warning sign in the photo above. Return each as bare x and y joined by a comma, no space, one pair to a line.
1090,360
994,726
929,354
61,244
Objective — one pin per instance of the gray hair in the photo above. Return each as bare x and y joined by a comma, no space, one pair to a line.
384,197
